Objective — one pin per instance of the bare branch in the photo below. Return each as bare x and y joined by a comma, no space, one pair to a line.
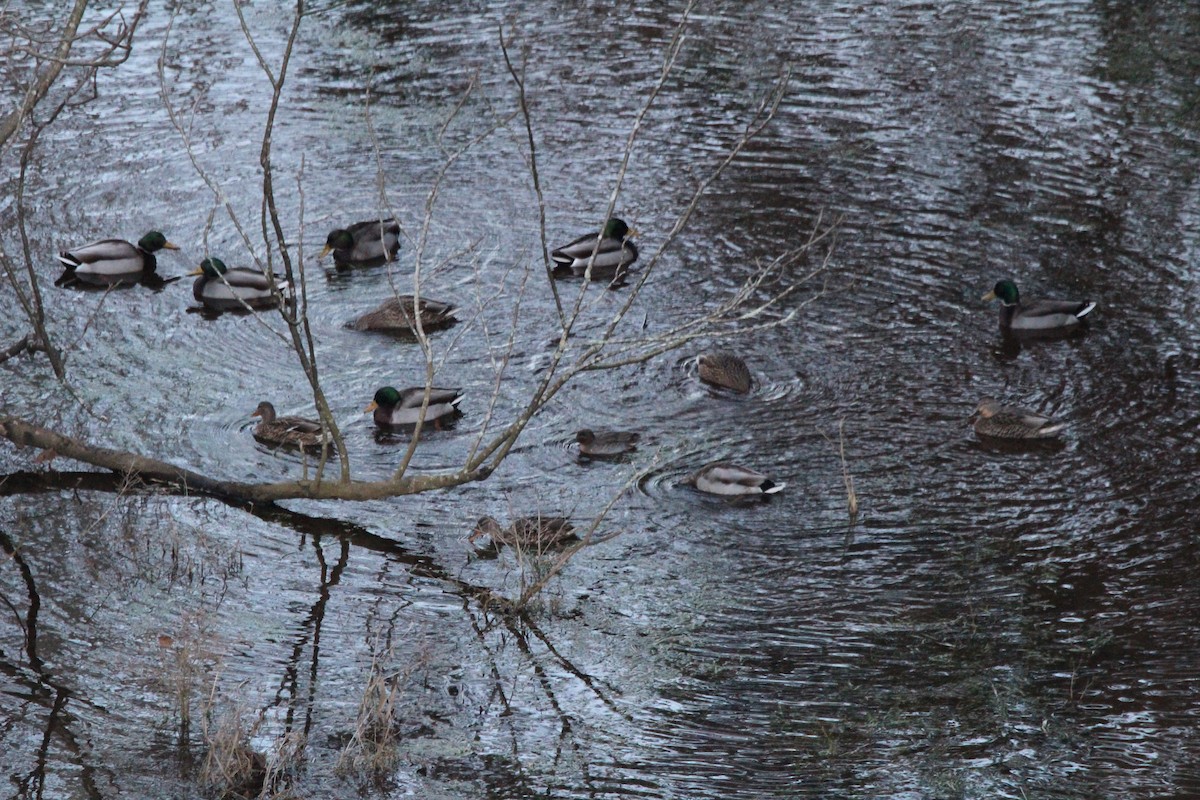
38,89
519,80
186,481
15,349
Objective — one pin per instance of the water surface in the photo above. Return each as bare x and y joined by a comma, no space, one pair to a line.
998,622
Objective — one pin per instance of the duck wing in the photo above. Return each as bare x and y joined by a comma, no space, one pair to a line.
1050,313
239,285
298,425
374,229
103,250
611,254
1020,423
374,239
541,531
610,443
413,398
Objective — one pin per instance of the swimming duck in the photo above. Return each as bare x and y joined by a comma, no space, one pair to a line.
526,533
394,407
109,262
1010,422
395,315
614,253
599,444
305,434
366,243
247,287
726,370
732,480
1040,315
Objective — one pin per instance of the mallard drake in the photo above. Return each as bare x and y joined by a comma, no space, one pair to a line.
395,315
526,533
1010,422
109,262
599,444
246,287
399,407
1040,315
305,434
614,253
732,480
367,243
725,370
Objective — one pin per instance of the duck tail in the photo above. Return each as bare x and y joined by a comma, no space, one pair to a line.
771,487
1050,430
69,261
1083,312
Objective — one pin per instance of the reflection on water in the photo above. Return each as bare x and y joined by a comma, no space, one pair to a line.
999,622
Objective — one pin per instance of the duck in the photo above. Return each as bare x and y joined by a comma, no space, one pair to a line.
111,262
1039,315
732,480
614,253
398,407
246,287
599,444
997,421
725,370
298,432
367,243
395,315
526,533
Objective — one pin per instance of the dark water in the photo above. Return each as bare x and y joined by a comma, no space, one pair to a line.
998,622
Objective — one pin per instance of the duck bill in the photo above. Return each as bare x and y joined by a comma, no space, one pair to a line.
989,296
197,271
371,407
169,246
326,250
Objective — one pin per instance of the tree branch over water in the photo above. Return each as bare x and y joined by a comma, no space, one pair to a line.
765,300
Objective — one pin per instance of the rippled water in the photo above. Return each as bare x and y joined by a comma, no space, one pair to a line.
998,621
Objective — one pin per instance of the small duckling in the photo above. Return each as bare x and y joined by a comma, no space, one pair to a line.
526,533
396,315
601,444
1010,422
726,370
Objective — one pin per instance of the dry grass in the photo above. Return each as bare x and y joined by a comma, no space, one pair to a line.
373,749
284,765
183,661
847,478
232,768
